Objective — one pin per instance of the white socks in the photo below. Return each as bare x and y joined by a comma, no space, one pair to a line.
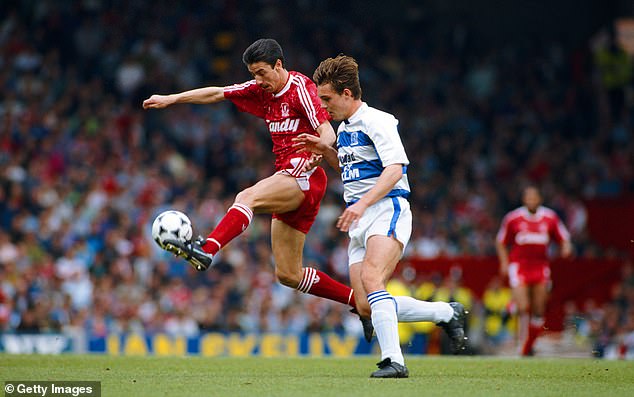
412,310
385,324
388,311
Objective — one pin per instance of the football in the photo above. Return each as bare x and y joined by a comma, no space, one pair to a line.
171,225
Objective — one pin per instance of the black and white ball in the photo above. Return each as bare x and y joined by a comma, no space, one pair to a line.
171,225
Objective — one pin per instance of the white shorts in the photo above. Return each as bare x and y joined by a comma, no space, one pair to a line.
390,216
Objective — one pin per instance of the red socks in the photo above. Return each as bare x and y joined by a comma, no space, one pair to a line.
534,330
320,284
230,226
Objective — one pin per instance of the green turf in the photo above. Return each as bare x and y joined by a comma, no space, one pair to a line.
429,376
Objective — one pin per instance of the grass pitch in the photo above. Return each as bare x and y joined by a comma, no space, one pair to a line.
429,376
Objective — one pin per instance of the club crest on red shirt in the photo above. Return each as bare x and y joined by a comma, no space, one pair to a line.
285,111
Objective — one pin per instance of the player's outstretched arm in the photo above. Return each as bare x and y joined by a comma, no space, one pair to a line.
198,96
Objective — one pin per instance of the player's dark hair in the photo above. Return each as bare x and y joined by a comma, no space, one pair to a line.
340,72
263,50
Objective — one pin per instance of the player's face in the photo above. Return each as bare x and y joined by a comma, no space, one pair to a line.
337,105
268,78
531,199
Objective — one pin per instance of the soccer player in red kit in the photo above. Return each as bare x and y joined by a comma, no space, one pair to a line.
287,101
528,230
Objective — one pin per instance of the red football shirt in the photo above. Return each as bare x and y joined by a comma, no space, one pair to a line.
294,110
530,234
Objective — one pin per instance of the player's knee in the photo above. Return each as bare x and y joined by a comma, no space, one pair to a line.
371,280
286,278
246,197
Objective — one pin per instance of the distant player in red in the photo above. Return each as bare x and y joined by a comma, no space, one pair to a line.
528,230
287,101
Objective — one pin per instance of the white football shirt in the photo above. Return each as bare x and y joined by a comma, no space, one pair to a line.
368,142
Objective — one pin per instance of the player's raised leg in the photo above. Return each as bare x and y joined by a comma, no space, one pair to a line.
275,193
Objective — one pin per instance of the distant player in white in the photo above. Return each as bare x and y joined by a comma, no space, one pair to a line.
373,165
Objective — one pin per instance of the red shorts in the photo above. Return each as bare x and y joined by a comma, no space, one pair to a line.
314,188
528,273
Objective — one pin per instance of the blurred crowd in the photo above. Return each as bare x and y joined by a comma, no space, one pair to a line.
84,170
608,328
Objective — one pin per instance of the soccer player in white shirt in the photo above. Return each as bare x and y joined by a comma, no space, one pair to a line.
373,165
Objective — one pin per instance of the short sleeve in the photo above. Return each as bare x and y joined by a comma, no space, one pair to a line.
383,130
247,97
